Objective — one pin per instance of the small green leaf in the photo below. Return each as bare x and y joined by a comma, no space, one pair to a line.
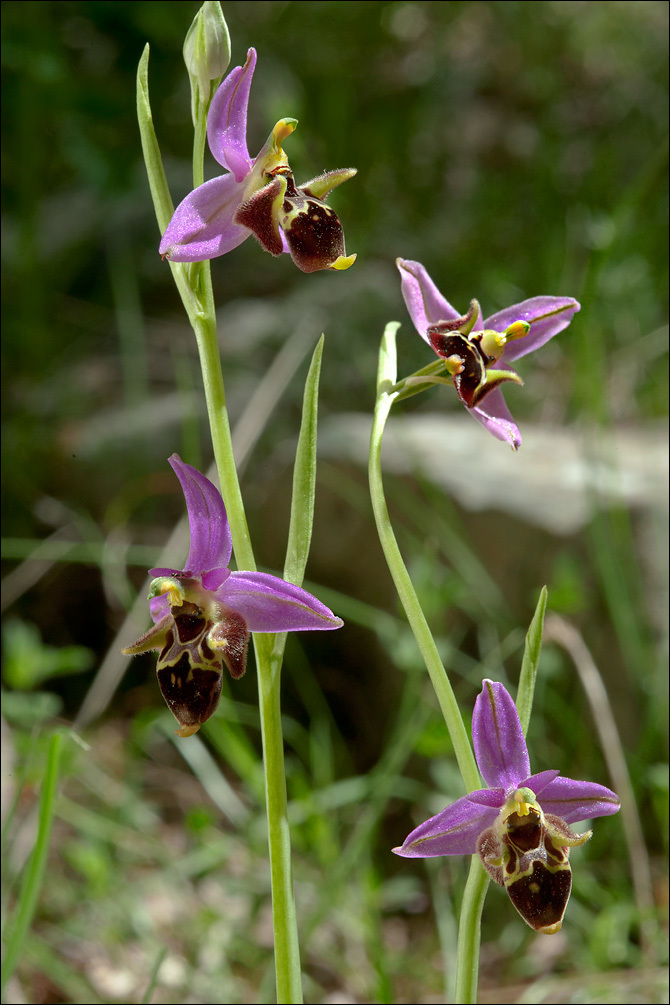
304,477
529,664
160,193
387,370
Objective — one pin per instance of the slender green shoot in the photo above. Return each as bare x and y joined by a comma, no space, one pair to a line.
32,882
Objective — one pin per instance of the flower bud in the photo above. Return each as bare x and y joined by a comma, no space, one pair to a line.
207,48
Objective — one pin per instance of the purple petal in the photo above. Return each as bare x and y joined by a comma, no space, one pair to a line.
425,303
538,783
211,543
496,418
454,831
269,604
500,747
574,801
227,119
547,316
202,226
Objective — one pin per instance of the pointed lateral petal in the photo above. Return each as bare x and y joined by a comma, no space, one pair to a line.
488,797
574,801
323,184
268,604
538,783
211,543
500,747
202,226
227,119
454,831
496,417
425,303
155,638
547,316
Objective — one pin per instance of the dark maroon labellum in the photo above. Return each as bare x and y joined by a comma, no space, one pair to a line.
537,874
191,693
530,860
313,232
188,670
541,896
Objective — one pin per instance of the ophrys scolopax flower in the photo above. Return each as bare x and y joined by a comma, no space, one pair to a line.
203,614
256,195
477,353
519,825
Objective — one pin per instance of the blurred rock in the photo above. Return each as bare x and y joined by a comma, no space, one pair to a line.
555,481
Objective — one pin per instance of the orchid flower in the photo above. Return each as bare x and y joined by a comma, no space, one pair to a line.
203,614
519,824
256,196
477,354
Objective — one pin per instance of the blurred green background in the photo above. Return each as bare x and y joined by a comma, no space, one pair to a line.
514,149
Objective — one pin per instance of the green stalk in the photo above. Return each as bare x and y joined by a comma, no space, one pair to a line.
203,320
268,666
284,921
199,140
403,583
195,288
269,657
469,934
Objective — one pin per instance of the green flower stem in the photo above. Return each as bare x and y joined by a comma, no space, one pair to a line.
417,620
199,140
469,934
268,662
195,288
469,928
199,303
198,299
269,654
287,956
